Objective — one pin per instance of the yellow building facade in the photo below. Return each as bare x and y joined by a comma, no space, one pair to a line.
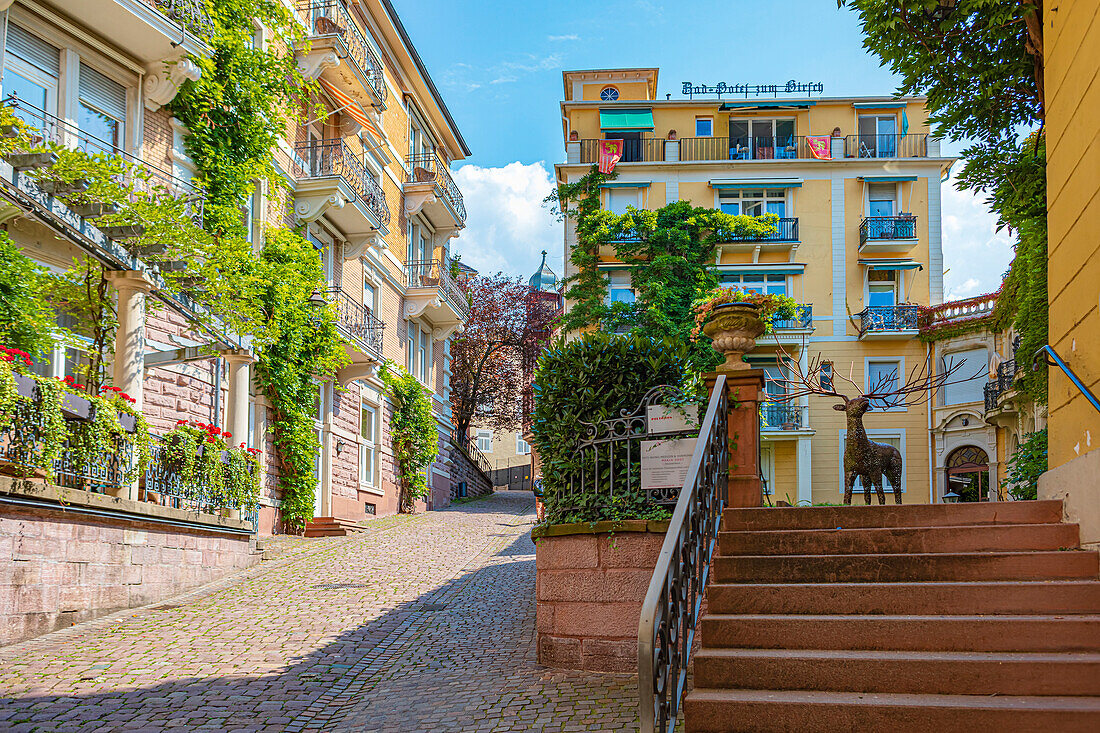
858,241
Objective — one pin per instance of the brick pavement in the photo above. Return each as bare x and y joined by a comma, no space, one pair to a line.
335,634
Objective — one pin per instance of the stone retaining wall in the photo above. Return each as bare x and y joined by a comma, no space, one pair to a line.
590,581
69,556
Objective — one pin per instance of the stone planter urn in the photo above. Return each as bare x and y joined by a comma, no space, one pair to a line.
733,329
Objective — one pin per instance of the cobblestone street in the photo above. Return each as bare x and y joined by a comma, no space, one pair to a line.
423,623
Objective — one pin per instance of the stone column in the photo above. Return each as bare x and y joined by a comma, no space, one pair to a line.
327,451
129,371
240,377
745,388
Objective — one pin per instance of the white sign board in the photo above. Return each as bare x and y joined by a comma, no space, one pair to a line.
666,419
665,463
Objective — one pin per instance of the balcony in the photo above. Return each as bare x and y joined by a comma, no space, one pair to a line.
886,146
434,295
884,322
649,150
330,176
363,333
878,234
803,320
780,421
333,38
1000,406
430,188
713,149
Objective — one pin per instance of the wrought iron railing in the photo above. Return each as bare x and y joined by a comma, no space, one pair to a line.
469,447
887,227
783,147
331,18
1003,381
334,158
786,230
803,318
424,167
647,150
433,274
889,318
191,14
992,395
356,319
148,179
164,484
886,146
670,612
781,416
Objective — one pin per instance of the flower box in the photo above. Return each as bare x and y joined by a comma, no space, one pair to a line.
64,188
122,231
128,421
94,209
25,386
75,407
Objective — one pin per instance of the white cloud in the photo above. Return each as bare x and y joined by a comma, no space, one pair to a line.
506,224
566,37
975,255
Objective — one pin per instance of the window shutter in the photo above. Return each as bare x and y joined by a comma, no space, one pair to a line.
881,191
34,50
105,95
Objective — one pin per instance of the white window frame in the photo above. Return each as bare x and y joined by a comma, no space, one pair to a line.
619,286
413,334
786,198
875,435
368,447
523,448
967,369
708,120
867,197
637,203
900,361
899,286
737,279
484,435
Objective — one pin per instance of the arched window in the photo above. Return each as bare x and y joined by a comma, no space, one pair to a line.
609,94
967,470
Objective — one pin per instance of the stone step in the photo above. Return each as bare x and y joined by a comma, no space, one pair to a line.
1003,597
966,538
939,673
796,711
1024,633
880,568
332,527
892,515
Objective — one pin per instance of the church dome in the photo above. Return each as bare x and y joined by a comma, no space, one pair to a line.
544,280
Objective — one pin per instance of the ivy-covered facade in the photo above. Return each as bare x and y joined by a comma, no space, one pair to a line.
351,195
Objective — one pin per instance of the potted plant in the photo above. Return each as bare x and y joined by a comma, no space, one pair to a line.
734,318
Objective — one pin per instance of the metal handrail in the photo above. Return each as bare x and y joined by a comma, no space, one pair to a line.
433,274
887,227
887,145
356,319
803,318
469,447
747,147
889,318
191,14
670,611
334,158
424,167
786,230
331,18
644,150
1048,353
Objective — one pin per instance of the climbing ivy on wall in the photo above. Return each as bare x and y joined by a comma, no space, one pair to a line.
414,433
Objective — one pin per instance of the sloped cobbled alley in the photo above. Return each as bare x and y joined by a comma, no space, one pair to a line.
423,623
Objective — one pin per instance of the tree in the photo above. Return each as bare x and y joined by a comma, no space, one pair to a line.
506,317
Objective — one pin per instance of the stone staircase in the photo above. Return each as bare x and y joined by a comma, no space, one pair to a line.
949,617
331,527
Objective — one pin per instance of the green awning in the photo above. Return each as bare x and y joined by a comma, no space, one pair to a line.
626,184
886,264
744,183
626,119
879,105
887,179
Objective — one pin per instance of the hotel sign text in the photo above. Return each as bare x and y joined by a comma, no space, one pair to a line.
745,90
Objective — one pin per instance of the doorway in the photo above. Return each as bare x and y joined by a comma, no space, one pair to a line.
968,473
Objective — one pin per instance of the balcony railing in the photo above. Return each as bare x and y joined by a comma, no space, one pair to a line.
1004,381
147,179
889,318
191,14
356,319
786,147
887,227
648,150
469,447
803,318
334,158
786,230
163,484
425,167
331,18
433,274
886,146
780,416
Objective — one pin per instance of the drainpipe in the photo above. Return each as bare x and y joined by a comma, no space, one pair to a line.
931,439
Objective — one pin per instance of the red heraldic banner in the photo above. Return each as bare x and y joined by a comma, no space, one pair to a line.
819,147
611,152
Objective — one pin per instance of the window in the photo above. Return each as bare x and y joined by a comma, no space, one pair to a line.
881,198
974,363
825,376
754,202
882,376
704,126
367,428
882,288
420,352
368,290
895,438
619,289
878,136
102,112
485,441
762,139
609,94
758,283
522,448
619,198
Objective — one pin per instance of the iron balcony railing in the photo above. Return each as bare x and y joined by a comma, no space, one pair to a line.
191,14
673,603
469,447
992,395
330,18
889,318
356,319
786,230
433,274
887,227
781,416
323,158
784,147
886,146
148,179
164,484
424,167
1003,381
648,150
803,318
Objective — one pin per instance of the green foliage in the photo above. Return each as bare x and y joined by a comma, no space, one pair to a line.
1027,464
770,306
413,431
44,409
201,456
82,292
26,320
589,380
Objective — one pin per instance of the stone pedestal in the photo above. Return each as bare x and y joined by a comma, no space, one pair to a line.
745,388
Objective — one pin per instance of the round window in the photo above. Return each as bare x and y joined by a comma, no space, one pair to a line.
609,94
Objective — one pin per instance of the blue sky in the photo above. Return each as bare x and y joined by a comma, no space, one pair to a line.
498,65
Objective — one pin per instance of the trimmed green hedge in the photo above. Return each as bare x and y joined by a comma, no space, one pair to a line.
591,379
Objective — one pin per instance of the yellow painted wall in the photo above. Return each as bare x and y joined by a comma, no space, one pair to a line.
627,90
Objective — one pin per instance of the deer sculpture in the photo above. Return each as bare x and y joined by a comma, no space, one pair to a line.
864,459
